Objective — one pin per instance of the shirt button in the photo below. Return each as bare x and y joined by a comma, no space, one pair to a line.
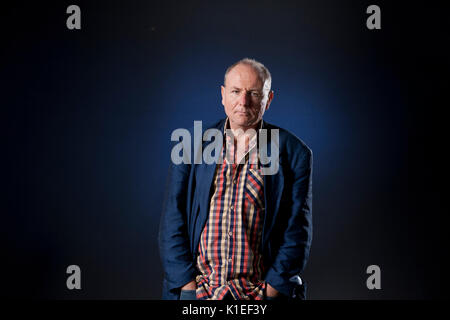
230,233
229,260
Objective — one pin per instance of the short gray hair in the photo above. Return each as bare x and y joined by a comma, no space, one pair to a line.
263,72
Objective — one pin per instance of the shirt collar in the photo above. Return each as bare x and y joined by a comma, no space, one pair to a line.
254,140
227,125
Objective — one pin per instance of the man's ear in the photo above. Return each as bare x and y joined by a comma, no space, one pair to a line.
222,91
269,100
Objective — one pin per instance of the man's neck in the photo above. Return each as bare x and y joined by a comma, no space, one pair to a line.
242,136
239,129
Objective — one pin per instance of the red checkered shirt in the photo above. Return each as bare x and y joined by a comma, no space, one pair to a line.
229,250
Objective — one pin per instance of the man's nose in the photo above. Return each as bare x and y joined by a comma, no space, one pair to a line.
244,99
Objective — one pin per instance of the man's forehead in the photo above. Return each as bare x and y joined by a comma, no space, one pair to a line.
257,88
243,73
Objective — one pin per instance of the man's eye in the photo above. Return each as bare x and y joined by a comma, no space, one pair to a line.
234,91
255,94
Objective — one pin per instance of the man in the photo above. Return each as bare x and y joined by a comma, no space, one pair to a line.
229,231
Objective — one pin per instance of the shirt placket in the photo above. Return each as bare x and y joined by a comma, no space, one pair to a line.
230,218
235,174
235,170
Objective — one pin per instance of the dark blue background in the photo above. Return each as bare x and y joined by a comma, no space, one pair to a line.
87,117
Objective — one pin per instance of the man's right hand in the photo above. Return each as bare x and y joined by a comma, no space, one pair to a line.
190,286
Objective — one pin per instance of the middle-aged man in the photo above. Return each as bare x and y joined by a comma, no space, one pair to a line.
228,230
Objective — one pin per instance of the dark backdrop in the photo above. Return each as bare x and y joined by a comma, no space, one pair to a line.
87,117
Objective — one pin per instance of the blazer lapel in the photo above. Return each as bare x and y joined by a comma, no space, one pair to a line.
204,177
273,189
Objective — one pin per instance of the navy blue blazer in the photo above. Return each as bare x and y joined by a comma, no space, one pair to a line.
287,229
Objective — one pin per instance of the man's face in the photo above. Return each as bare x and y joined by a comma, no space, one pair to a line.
244,97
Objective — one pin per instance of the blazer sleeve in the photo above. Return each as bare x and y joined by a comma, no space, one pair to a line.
176,256
293,252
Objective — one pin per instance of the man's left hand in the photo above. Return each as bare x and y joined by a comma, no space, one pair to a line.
271,291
